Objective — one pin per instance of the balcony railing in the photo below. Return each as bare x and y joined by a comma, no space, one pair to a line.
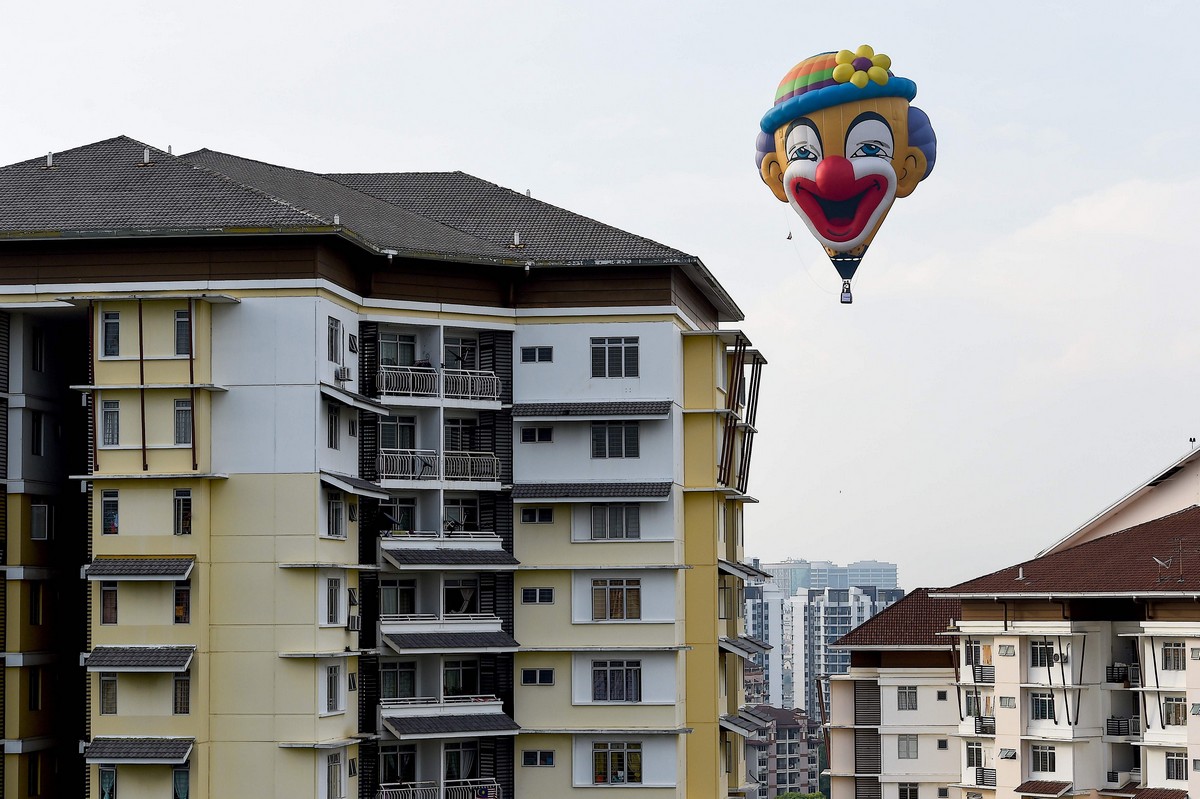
468,705
407,381
425,381
985,725
984,674
452,789
1120,727
985,776
427,464
398,623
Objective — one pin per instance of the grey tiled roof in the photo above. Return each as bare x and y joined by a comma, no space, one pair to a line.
494,213
588,490
166,568
450,725
432,557
591,409
103,186
158,658
167,750
440,640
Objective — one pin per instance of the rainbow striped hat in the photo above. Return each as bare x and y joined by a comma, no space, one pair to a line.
830,79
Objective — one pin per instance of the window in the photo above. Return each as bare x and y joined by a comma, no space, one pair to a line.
34,774
397,596
352,428
352,681
974,754
973,651
1041,654
461,595
112,335
332,439
537,354
108,782
333,766
397,350
1008,701
1006,650
108,603
108,694
333,341
183,333
352,343
1173,657
337,515
333,688
37,349
537,757
1008,754
906,697
1042,758
537,515
461,353
537,676
908,790
616,681
1177,766
943,743
973,703
397,763
183,511
536,435
616,520
35,688
398,432
39,522
614,439
461,434
1174,711
180,779
906,747
615,357
110,418
616,599
108,511
460,678
941,696
183,422
537,596
943,793
333,600
183,603
397,680
460,513
37,433
616,762
36,594
182,705
1041,706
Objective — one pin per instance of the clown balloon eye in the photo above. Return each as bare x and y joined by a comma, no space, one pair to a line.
803,153
870,150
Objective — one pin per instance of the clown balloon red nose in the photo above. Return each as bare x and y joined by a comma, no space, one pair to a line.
840,144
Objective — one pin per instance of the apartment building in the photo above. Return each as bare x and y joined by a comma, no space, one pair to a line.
820,617
396,486
894,715
785,752
793,575
765,604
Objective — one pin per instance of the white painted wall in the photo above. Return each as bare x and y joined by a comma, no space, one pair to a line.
659,759
569,457
657,523
658,676
658,595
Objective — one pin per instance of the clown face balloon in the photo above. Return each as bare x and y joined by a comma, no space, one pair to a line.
841,144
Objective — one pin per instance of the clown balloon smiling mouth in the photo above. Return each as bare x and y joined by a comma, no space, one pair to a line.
840,145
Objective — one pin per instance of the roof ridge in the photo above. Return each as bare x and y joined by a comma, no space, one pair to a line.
88,146
254,189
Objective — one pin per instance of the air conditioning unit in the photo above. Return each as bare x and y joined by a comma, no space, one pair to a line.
354,624
341,373
1058,657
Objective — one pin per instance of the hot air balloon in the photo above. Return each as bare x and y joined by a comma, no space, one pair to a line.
840,144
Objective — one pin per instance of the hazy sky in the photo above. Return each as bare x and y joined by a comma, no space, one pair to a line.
1023,346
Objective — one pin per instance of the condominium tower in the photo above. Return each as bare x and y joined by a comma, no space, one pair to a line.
391,486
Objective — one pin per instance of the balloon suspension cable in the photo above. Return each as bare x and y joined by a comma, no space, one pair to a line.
847,297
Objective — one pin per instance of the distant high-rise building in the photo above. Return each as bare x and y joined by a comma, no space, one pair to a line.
821,616
793,575
764,621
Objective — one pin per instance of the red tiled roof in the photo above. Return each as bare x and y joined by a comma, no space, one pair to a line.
1158,556
915,620
1160,793
1042,788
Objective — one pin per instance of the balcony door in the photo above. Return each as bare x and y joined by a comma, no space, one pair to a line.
396,349
397,680
398,432
462,760
398,515
462,435
397,597
460,595
460,514
460,678
461,353
397,763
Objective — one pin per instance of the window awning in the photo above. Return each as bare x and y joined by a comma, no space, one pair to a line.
353,485
165,751
168,659
442,559
352,399
743,570
1050,789
745,727
483,724
653,409
105,567
744,646
416,643
525,493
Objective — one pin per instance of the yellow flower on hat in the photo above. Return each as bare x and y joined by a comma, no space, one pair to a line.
861,66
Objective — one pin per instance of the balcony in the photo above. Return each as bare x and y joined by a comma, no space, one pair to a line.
395,540
984,674
451,789
428,464
468,705
425,381
1121,727
985,725
985,777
